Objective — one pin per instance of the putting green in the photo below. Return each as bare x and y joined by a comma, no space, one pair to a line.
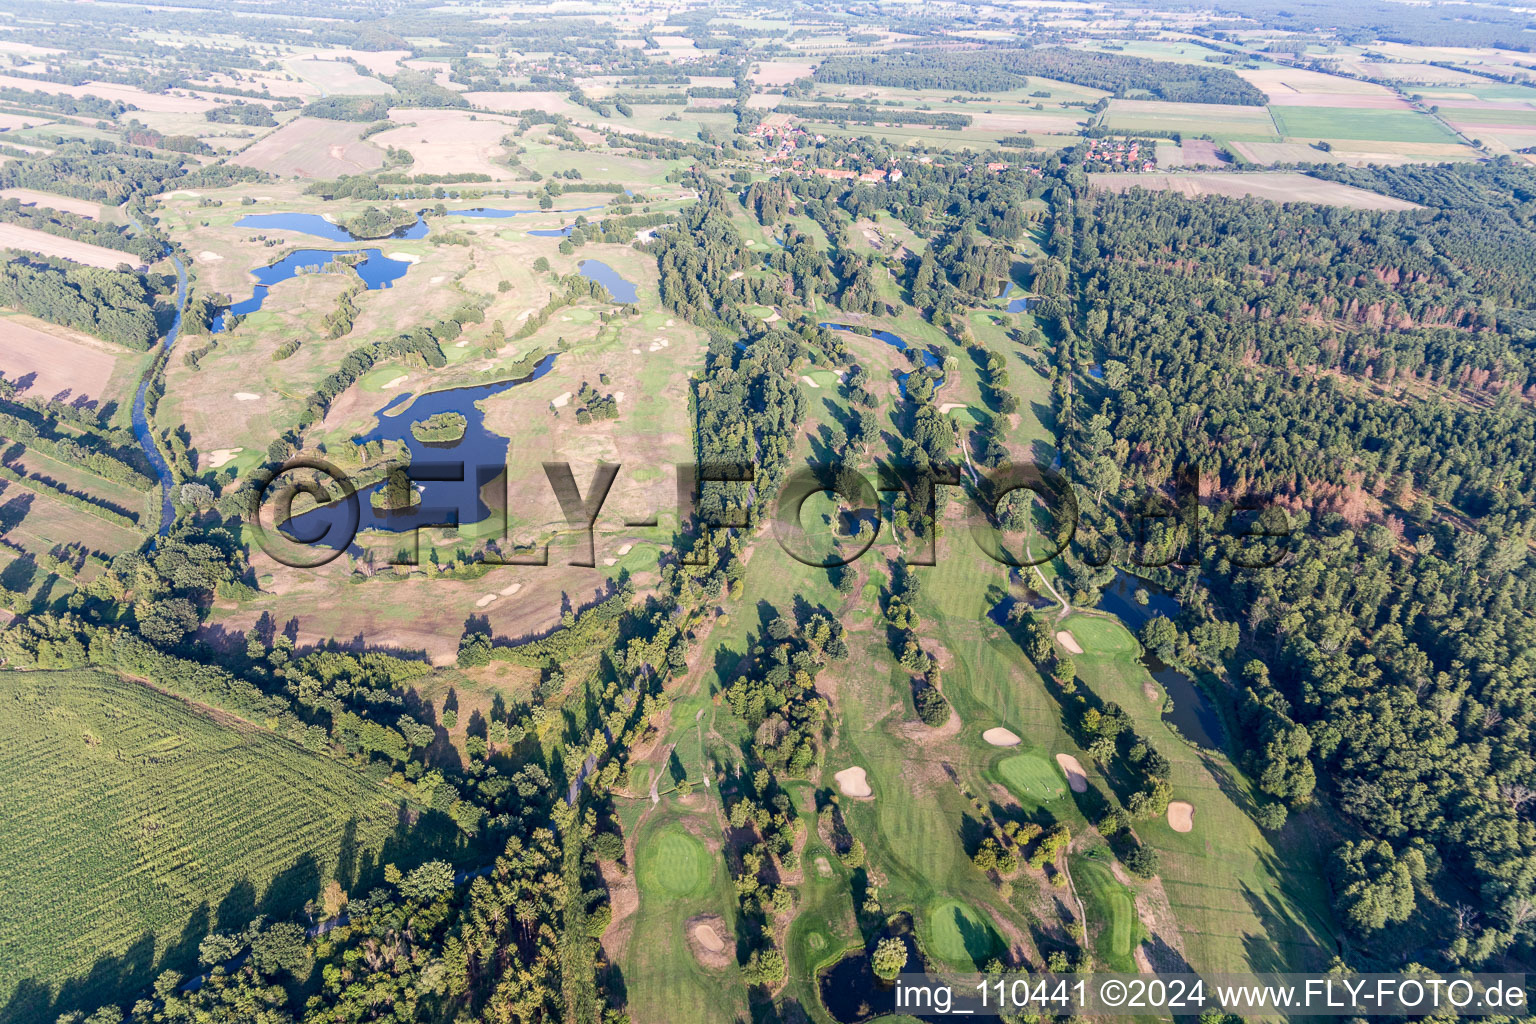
674,862
1110,902
761,312
959,935
1032,777
581,316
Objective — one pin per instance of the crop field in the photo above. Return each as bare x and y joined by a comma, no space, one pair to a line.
49,361
177,100
144,822
334,78
1219,120
31,197
1359,124
448,141
308,147
28,240
1279,186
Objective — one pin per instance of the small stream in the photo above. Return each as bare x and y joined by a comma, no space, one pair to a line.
141,428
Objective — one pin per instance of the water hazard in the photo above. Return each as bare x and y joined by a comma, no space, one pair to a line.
477,458
1193,713
623,292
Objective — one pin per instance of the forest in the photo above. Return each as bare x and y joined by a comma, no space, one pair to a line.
1357,370
995,70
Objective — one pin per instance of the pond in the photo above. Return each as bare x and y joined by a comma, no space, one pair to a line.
481,452
554,232
318,226
851,993
929,357
492,212
376,270
1193,713
1018,305
623,292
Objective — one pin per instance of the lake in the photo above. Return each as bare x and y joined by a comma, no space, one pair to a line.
623,292
479,456
318,226
376,270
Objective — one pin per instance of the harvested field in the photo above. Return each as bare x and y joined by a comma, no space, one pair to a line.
309,147
16,122
54,360
448,142
548,102
1279,186
27,240
1282,80
781,72
159,102
853,782
1076,777
1218,119
334,78
1198,153
1337,101
65,204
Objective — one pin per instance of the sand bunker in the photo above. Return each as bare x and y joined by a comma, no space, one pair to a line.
1181,816
853,782
1068,641
407,257
823,868
706,942
209,256
1076,777
949,407
246,396
219,456
561,400
808,382
508,591
626,549
706,936
487,599
635,351
1000,737
396,382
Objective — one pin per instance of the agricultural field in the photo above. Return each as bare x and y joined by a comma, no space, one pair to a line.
28,240
1278,186
117,852
308,147
555,730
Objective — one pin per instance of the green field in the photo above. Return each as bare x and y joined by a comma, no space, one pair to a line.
959,935
1111,909
1032,778
674,862
1308,123
134,824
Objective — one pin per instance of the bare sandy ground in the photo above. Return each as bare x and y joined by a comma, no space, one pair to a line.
27,240
1076,777
1068,641
852,782
1181,816
1000,737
